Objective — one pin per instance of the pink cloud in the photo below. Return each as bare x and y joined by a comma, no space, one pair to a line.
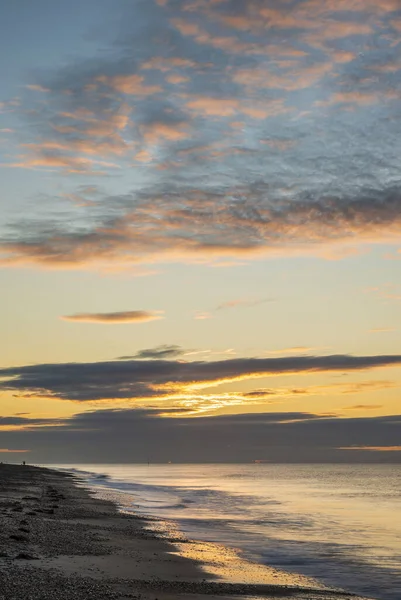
134,316
132,85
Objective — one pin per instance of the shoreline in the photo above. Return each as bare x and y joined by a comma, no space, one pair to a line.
60,541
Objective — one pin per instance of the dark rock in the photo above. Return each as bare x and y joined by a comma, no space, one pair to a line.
19,538
26,556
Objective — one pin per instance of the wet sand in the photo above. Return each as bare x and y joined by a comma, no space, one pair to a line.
59,542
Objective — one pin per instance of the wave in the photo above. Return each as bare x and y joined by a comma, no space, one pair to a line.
301,522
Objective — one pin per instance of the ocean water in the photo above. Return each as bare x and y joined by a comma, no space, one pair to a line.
340,524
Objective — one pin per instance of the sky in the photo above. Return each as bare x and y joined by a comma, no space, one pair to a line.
200,251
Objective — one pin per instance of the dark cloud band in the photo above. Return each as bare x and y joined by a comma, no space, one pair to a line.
117,436
158,378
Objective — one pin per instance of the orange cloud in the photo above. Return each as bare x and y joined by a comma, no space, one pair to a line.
221,107
72,164
160,63
335,30
177,79
143,156
228,44
135,316
359,98
301,78
132,85
227,107
8,451
156,132
292,350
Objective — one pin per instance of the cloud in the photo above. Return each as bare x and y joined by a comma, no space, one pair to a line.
294,79
133,85
292,350
333,389
37,88
8,451
16,423
363,407
115,436
160,352
243,303
72,164
176,225
201,315
19,420
252,130
133,316
167,378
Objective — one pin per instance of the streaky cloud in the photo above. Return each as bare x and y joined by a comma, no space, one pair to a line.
243,303
178,224
159,352
133,316
163,378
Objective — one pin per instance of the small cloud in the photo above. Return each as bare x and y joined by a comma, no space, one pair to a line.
38,88
292,350
176,79
159,352
363,407
229,352
202,315
134,316
8,451
196,352
243,303
129,84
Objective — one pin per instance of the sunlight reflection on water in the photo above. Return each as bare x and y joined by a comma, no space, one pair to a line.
339,523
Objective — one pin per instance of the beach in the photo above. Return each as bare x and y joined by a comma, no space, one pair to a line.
59,542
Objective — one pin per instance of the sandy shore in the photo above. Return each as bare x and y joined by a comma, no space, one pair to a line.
59,542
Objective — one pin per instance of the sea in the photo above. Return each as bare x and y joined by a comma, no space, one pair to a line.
339,524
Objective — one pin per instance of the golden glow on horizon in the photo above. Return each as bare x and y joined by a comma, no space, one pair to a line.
191,401
373,448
